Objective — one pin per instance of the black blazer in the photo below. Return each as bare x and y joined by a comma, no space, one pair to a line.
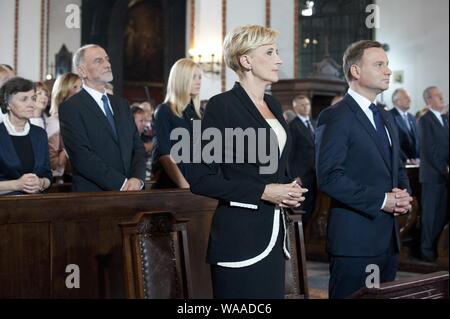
409,142
239,233
353,172
302,156
434,150
99,161
10,165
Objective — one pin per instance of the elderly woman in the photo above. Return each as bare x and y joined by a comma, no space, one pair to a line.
24,160
248,240
181,106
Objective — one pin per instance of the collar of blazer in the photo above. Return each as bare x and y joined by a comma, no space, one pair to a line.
9,152
252,109
92,106
364,121
401,121
436,122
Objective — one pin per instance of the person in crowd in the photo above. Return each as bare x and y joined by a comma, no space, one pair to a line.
358,166
336,99
141,124
65,86
98,130
248,247
5,75
24,160
149,111
302,157
289,115
433,171
180,108
41,113
407,127
109,88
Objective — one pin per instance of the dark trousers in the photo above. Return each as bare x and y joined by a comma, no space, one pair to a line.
434,216
263,280
349,274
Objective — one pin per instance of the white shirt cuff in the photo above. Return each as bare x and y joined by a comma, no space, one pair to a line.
384,202
123,185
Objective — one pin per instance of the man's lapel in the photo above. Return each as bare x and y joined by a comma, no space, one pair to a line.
94,108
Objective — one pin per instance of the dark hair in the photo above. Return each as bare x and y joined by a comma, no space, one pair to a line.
136,110
12,87
354,53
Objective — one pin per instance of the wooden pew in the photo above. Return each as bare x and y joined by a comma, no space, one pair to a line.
429,286
40,235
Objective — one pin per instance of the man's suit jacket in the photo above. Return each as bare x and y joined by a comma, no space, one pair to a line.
99,161
10,165
239,233
353,172
302,156
434,149
409,141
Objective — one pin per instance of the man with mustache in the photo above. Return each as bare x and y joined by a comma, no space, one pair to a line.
358,165
98,130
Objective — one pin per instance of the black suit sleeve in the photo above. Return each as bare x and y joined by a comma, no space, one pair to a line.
81,153
206,178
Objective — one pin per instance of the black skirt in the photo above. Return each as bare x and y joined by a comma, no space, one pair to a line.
263,280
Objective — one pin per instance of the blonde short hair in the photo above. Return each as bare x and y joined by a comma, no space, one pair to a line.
178,94
243,40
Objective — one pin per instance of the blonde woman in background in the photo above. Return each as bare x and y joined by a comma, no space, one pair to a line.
65,86
181,106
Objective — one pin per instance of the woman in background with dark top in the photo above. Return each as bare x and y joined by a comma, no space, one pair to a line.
24,160
181,106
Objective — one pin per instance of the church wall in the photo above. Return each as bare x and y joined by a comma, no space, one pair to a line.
417,33
31,33
415,30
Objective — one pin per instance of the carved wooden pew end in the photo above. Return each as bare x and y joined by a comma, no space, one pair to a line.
156,257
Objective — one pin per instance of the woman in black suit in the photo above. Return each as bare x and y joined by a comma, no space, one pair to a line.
181,106
24,156
248,240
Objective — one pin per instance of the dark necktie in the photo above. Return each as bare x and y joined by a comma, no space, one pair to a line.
381,132
408,125
445,121
109,115
310,128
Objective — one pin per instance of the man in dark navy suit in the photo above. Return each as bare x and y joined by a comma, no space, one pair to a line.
433,172
358,166
99,132
301,159
407,128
